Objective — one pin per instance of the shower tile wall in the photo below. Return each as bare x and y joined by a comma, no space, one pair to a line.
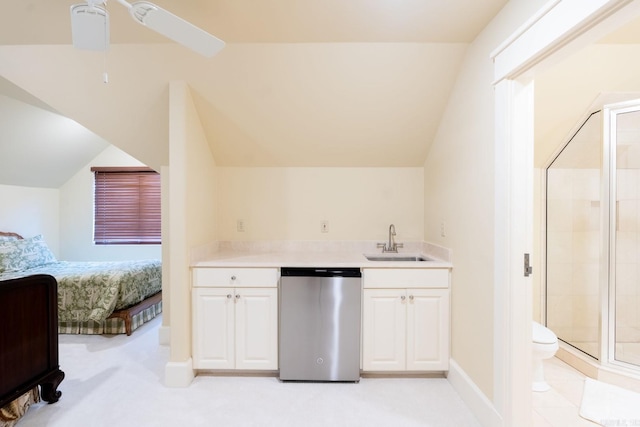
573,256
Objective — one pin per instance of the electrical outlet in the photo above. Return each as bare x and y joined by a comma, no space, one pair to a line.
240,226
443,229
324,226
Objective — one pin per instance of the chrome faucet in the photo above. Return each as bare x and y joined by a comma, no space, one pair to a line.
391,246
392,240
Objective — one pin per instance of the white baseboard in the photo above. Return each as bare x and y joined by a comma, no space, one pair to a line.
179,374
473,397
164,335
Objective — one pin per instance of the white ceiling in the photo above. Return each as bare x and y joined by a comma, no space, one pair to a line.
342,51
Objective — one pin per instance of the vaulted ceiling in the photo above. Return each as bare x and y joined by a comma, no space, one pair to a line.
300,82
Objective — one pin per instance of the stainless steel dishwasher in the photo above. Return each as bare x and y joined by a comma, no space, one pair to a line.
320,324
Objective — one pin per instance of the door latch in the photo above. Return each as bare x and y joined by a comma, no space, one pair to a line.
528,269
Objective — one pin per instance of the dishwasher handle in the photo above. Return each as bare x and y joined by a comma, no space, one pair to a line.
320,272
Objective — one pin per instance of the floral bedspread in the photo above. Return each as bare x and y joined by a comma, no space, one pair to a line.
93,290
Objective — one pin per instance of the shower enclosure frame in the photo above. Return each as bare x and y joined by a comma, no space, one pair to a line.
609,220
606,360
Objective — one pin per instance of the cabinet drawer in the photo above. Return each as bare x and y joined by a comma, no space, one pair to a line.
238,277
405,278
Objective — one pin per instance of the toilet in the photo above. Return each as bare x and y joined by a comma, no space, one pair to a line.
545,345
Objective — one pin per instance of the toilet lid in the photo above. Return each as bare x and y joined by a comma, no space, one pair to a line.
542,335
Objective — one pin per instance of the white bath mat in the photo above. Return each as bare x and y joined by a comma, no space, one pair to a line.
609,405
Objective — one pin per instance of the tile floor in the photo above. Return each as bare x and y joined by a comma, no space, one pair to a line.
560,406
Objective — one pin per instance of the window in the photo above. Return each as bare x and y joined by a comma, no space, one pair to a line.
126,206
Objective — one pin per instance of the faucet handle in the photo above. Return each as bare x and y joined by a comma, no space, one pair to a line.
399,245
382,245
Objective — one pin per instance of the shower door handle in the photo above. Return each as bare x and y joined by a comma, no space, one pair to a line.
528,269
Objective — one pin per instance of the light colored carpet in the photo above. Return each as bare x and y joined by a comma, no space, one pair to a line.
118,381
609,405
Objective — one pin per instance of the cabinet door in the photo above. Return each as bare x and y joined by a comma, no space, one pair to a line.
383,329
427,329
256,328
213,328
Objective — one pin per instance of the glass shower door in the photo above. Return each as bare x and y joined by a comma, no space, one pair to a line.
624,135
574,239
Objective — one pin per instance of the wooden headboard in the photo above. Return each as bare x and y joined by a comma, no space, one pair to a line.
10,234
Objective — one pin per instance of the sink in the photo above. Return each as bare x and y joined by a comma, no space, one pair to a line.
397,257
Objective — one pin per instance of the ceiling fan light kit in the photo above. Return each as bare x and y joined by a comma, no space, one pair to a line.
90,27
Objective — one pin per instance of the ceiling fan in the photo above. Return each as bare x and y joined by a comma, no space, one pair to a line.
90,26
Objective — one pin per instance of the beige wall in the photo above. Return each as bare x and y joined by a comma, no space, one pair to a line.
459,183
290,203
76,216
202,183
29,211
191,216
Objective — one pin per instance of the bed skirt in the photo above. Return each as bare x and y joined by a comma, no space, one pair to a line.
12,412
112,325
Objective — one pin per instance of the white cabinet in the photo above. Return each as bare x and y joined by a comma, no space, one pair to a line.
213,328
405,320
383,330
235,318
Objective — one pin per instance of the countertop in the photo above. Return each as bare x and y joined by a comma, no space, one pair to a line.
313,259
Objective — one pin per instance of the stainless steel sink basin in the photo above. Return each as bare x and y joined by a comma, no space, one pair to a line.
401,257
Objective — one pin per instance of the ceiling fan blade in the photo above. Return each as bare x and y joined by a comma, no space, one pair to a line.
89,27
175,28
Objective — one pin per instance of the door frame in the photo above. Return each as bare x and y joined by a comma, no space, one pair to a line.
559,29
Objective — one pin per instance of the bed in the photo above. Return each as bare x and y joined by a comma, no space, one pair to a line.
93,297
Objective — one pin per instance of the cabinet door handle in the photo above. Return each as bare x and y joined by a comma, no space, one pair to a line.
233,278
229,296
411,297
403,297
237,296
